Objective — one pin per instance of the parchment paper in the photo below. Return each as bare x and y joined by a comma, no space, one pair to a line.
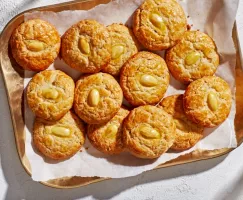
215,17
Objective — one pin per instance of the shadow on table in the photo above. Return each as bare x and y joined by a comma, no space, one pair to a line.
21,186
233,189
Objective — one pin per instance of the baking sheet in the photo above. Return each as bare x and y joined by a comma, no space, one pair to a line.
90,162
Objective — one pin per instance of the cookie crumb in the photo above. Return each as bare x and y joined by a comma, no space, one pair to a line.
188,26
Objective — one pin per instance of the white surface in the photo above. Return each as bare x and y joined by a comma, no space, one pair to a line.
220,178
126,165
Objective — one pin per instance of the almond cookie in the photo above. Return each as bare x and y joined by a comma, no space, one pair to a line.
193,57
86,46
97,99
35,44
158,24
124,45
50,94
148,132
61,139
107,137
144,79
187,133
207,101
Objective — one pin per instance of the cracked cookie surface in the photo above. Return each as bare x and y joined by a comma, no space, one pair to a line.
124,45
50,94
35,44
207,101
148,132
61,139
193,57
158,24
86,46
144,79
107,137
98,97
187,133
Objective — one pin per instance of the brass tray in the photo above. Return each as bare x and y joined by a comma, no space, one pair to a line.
14,83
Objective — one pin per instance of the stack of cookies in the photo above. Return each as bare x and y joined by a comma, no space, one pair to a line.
118,63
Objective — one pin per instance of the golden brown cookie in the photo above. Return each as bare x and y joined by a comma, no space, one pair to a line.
187,133
158,24
124,45
50,94
207,101
144,79
35,44
148,131
86,46
107,137
97,99
61,139
193,57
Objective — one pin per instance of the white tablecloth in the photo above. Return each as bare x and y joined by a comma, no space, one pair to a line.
219,178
